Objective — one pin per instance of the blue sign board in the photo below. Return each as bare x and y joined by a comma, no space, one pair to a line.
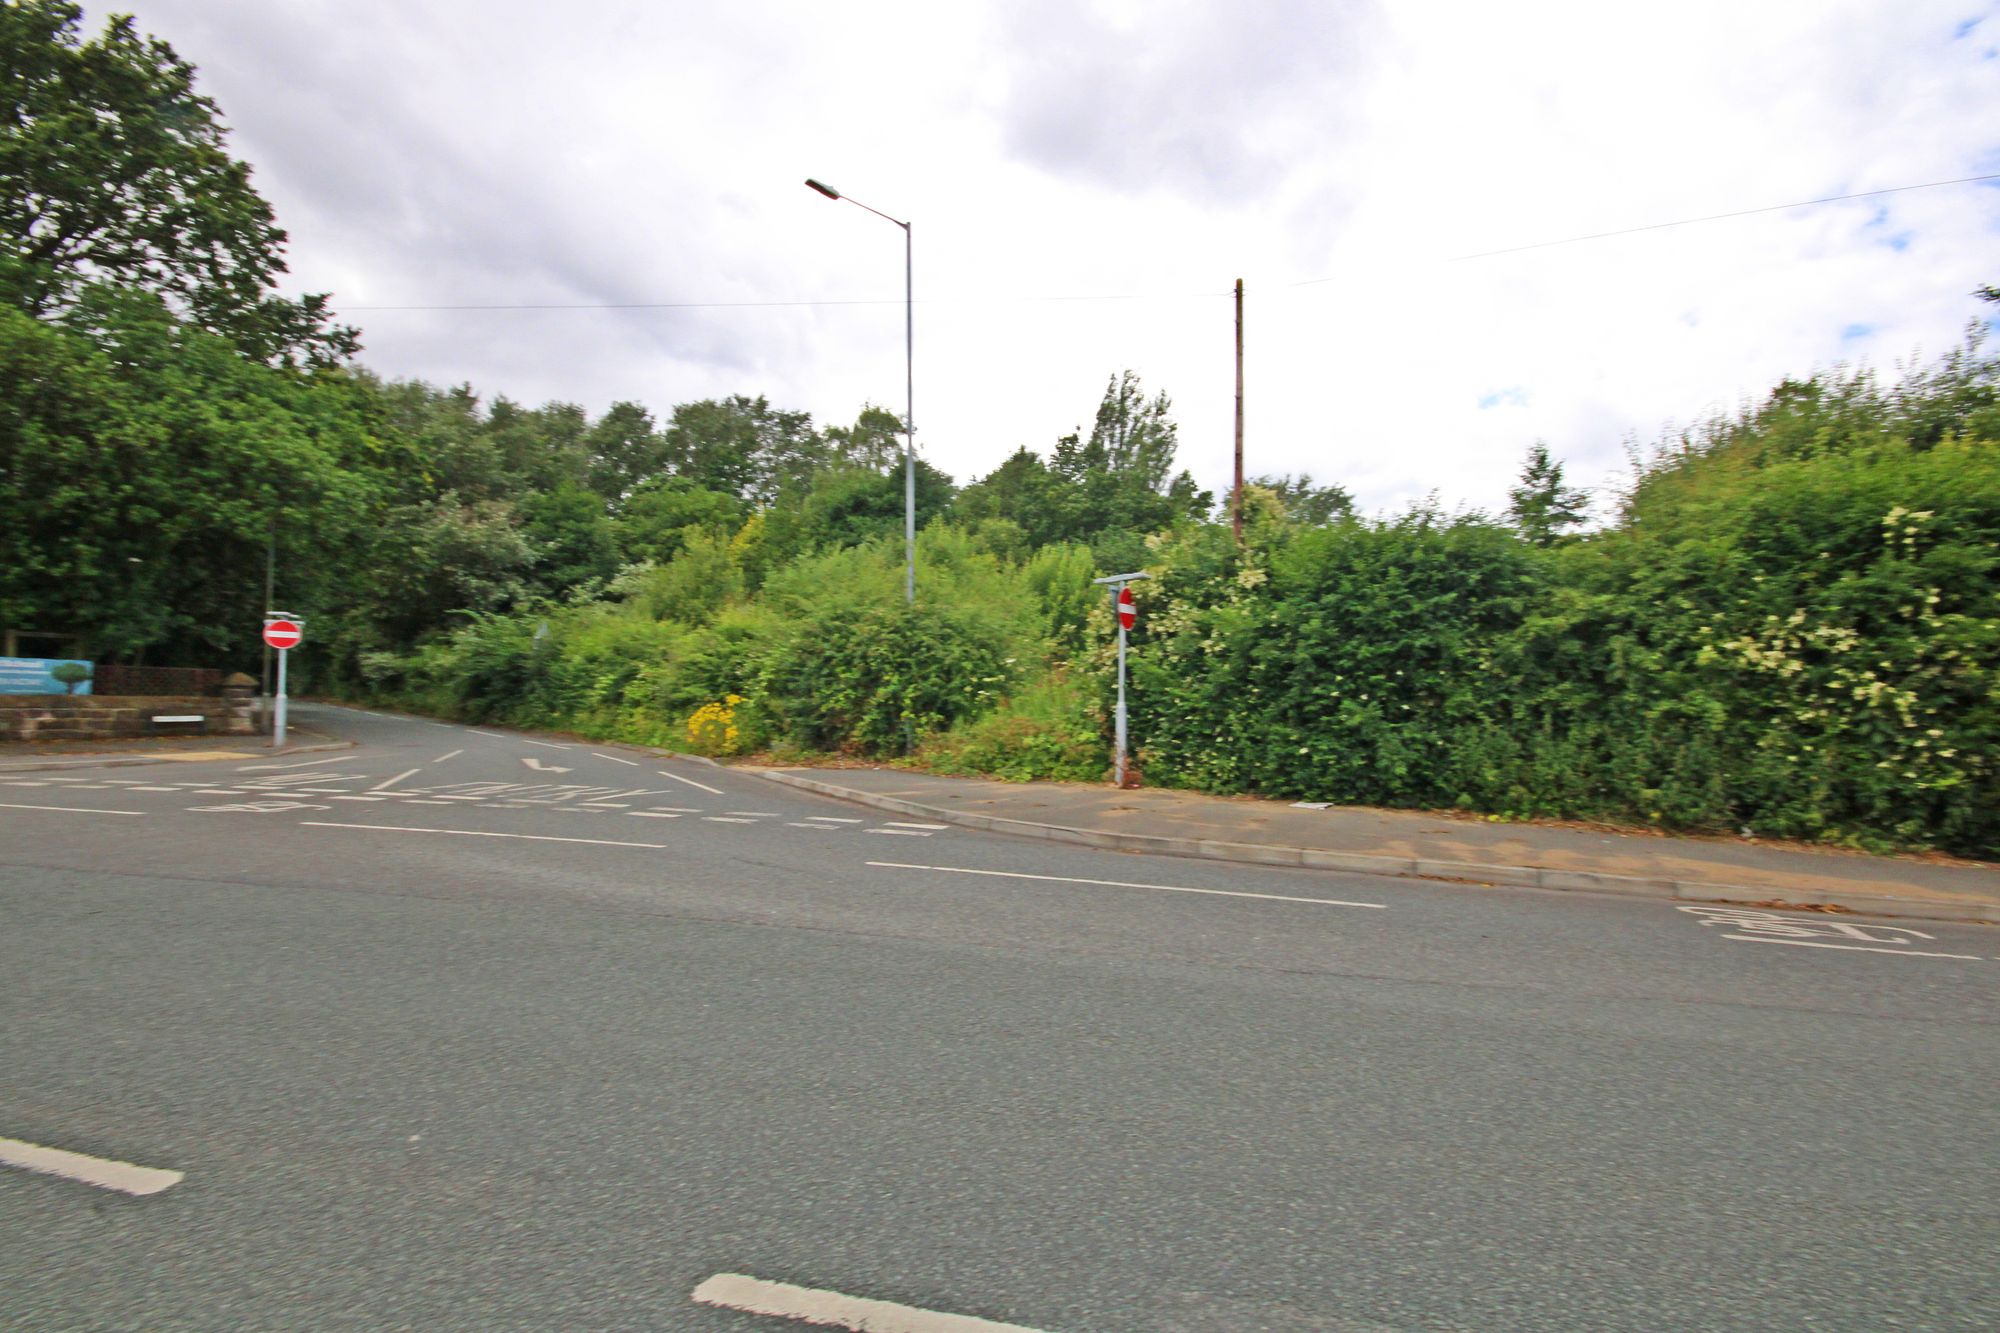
30,675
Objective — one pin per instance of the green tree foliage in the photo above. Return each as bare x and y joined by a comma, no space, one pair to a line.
1301,501
113,168
144,467
743,446
1542,509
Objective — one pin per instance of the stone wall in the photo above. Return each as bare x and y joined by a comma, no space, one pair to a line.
85,717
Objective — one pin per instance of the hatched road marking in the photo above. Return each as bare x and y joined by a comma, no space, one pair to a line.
99,1171
712,791
1122,884
811,1305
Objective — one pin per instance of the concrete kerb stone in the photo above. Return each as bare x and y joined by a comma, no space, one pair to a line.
1530,877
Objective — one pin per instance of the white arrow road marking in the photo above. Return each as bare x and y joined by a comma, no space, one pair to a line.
99,1171
541,767
712,791
810,1305
1122,884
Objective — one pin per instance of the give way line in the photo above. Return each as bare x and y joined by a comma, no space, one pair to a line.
102,1172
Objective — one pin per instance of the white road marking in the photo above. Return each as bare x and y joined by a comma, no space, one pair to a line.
861,1314
156,789
541,767
602,805
675,810
655,814
218,791
713,791
898,823
823,828
91,786
753,814
725,819
16,782
630,763
546,745
1122,884
453,755
303,763
67,809
835,819
413,800
64,780
898,832
348,798
99,1171
387,783
1857,948
477,833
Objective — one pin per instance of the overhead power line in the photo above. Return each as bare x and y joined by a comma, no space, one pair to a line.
1154,296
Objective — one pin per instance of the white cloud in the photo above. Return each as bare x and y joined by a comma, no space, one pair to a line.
508,152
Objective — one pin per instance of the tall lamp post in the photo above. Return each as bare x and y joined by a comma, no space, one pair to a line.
910,387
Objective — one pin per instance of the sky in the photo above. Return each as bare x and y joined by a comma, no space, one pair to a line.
1086,181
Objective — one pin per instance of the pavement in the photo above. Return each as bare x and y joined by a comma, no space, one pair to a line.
1425,845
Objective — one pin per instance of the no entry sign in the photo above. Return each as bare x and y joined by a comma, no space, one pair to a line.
1127,613
282,634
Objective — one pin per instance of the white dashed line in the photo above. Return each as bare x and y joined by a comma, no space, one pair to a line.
812,1305
1856,948
753,814
897,823
725,819
387,783
712,791
478,833
834,819
303,763
15,782
453,755
68,809
823,828
156,789
1122,884
674,810
546,745
630,763
99,1171
655,814
898,832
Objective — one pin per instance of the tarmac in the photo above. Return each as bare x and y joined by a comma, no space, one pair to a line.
1428,845
1408,844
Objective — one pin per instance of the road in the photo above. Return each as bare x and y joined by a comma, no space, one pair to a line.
461,1029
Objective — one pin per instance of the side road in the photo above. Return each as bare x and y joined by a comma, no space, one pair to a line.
1427,846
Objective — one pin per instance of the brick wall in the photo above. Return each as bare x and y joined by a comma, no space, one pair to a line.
80,717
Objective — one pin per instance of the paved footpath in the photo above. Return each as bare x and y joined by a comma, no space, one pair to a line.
1415,844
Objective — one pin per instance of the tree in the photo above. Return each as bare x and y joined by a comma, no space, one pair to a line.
112,168
875,440
1543,510
624,449
1313,506
743,446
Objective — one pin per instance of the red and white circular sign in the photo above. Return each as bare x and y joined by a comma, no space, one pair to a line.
282,633
1127,613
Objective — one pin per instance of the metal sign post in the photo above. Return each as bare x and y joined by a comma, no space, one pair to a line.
283,632
1125,613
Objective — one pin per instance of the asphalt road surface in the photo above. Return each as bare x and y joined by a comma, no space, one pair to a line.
461,1029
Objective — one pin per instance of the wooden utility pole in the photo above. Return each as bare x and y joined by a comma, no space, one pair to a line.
1236,503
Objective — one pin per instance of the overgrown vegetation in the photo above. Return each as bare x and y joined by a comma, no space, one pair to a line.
1788,624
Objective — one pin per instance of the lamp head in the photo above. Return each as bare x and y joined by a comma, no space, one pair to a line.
826,190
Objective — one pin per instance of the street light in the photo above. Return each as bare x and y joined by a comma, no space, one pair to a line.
910,386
